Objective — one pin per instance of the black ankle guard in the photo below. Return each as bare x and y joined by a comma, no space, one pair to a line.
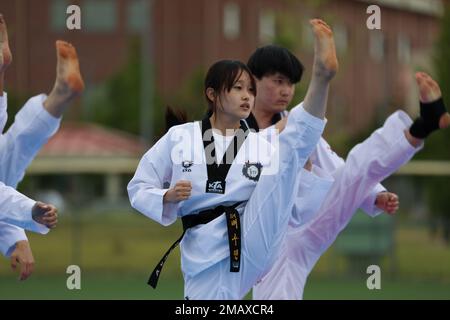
430,114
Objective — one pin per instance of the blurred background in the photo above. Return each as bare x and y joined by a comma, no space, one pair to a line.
138,56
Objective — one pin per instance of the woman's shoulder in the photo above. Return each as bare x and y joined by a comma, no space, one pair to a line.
183,128
262,139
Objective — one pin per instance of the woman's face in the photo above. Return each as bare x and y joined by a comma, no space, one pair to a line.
237,103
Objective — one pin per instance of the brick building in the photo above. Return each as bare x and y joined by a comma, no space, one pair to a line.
376,66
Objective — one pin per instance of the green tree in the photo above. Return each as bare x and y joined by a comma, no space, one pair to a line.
116,103
190,97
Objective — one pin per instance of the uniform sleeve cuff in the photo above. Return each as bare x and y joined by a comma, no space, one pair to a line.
33,225
51,121
309,119
369,204
169,215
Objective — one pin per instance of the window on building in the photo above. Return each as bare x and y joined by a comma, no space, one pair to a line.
267,25
403,48
376,45
231,21
99,15
136,14
58,14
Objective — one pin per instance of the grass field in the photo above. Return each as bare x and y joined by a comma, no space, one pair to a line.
126,286
117,253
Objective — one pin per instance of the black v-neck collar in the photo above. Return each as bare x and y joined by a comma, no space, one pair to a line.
220,171
253,124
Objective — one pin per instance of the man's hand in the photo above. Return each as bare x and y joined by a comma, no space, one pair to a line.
22,255
387,201
180,192
45,214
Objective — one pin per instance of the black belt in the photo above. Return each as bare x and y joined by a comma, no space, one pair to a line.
203,217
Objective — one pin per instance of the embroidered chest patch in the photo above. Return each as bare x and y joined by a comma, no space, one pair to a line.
252,170
186,165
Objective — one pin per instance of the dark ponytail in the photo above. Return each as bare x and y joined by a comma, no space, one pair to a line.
174,117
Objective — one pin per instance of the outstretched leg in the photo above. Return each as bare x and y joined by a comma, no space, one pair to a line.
324,68
367,164
40,117
268,211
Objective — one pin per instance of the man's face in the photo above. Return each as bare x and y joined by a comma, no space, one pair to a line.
274,93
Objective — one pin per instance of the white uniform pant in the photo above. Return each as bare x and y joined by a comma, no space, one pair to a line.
367,164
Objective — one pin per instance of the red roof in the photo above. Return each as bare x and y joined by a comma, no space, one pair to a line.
86,139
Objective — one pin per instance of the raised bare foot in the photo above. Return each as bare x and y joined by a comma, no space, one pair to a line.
429,92
69,83
68,76
5,52
325,62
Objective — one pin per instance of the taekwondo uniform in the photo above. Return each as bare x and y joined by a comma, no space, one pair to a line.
330,210
32,128
251,187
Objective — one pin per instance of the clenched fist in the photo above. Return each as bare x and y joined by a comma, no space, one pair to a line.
181,191
387,201
45,214
23,256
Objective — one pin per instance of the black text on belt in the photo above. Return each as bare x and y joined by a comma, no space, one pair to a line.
189,221
215,183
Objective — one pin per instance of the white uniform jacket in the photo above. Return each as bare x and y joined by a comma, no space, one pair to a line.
180,155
